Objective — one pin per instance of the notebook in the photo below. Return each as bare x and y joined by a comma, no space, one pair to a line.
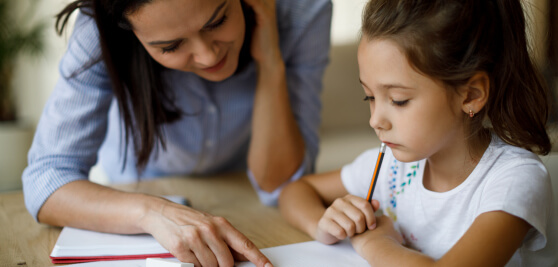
77,245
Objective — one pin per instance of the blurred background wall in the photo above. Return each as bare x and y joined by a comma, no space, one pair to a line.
345,131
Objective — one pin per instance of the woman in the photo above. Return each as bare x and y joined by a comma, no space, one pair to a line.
171,87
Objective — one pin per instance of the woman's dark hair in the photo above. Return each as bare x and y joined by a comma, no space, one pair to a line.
145,103
451,40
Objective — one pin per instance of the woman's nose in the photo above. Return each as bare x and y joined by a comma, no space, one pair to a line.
204,53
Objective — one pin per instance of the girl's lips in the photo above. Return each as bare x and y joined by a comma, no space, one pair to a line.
391,145
217,66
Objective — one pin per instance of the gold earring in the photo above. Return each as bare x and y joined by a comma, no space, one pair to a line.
471,113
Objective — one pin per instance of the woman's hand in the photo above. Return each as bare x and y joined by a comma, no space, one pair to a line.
346,217
384,229
265,39
200,238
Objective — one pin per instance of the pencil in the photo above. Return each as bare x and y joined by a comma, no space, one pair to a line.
376,172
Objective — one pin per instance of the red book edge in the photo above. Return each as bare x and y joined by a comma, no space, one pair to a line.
78,259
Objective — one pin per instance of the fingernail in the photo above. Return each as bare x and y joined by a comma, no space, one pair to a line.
371,227
268,265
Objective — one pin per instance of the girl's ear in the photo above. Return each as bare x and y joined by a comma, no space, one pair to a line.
475,93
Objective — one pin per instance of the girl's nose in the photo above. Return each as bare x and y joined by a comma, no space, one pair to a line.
378,119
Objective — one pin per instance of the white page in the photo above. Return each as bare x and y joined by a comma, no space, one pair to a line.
312,254
306,254
78,242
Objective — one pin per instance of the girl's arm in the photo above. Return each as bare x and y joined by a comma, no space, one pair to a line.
491,240
320,206
283,140
190,235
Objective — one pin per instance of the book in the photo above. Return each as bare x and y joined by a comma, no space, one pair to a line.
77,245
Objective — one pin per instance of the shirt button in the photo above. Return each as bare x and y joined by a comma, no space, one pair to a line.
212,109
209,143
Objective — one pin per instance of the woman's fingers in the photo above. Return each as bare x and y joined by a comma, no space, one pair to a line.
200,238
242,245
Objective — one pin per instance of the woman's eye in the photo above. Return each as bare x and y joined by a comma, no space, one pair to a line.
368,98
400,103
171,48
216,25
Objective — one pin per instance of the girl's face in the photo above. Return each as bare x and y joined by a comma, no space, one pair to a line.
199,36
413,114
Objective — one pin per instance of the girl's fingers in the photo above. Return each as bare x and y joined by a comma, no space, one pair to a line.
339,213
366,210
332,227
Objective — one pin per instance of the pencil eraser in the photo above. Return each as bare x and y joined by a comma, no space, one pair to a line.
158,262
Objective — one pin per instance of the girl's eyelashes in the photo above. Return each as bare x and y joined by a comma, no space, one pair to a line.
394,102
171,48
400,103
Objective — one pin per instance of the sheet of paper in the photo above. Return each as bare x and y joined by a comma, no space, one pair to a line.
306,254
312,254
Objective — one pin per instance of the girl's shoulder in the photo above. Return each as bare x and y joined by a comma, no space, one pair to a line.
500,156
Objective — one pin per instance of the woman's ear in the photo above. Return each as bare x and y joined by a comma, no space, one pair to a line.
475,93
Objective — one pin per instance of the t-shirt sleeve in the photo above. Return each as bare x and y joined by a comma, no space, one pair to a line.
356,175
522,189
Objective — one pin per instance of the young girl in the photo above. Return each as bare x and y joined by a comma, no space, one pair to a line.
456,98
152,88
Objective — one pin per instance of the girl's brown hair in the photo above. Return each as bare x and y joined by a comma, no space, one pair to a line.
451,40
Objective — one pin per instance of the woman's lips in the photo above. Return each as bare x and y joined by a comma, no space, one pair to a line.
217,66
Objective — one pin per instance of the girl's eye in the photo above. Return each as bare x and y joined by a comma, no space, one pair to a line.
400,103
368,98
217,24
171,48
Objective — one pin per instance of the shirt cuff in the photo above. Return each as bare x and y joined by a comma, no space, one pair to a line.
270,198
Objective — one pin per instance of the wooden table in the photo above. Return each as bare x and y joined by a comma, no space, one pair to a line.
24,242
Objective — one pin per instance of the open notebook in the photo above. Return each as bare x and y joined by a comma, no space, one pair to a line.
77,245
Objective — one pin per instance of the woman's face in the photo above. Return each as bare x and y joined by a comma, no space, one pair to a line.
200,36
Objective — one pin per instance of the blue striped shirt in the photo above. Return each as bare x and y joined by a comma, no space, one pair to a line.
80,124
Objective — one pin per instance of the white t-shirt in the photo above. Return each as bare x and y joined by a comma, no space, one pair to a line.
507,178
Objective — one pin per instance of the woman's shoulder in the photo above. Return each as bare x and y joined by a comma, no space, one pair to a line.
300,12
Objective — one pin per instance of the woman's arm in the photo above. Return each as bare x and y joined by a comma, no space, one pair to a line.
277,146
491,240
190,235
284,141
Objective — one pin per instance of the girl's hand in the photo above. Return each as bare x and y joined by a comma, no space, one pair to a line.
200,238
384,229
346,217
265,39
